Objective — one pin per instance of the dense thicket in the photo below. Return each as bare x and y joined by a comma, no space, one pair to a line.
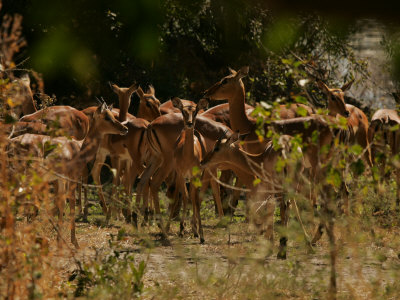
180,47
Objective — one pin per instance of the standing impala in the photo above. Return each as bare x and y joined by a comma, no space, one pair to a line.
231,88
356,118
229,154
65,165
187,155
384,137
128,152
61,120
161,135
20,93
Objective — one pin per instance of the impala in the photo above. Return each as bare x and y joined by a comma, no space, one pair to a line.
68,120
20,94
128,152
161,136
168,107
356,119
66,164
231,88
228,154
188,153
384,137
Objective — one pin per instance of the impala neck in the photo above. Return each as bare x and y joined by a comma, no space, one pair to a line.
124,103
89,148
188,147
237,112
141,111
29,107
332,111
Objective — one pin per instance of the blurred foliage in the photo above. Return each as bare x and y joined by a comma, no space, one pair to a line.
180,47
391,42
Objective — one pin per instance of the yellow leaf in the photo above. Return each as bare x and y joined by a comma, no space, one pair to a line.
10,102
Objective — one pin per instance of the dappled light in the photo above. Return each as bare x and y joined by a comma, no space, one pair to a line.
199,149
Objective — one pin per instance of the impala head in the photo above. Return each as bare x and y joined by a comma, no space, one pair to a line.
189,112
105,122
336,104
221,150
21,94
149,107
124,94
228,86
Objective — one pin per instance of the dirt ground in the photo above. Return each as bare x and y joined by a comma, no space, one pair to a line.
236,263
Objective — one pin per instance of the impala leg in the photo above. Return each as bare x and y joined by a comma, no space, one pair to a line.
270,211
216,192
225,193
143,187
183,194
397,188
72,198
284,208
235,197
176,198
155,184
116,193
79,200
60,198
86,199
344,192
194,195
100,158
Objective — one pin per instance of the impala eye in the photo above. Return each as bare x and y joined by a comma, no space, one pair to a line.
224,81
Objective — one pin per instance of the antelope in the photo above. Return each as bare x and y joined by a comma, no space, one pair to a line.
229,154
67,164
231,88
385,142
356,119
161,135
168,107
65,119
128,152
187,154
20,93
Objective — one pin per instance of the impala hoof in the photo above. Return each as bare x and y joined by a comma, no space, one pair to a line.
281,255
202,241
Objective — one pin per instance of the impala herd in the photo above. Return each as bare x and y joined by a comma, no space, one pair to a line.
182,144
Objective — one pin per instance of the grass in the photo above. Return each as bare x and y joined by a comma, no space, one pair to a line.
235,262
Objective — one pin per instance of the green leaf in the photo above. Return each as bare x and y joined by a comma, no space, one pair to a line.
256,181
301,99
302,111
358,167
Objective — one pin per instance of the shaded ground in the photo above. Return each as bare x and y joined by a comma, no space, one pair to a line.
235,263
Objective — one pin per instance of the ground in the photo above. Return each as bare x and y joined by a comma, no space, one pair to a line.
236,263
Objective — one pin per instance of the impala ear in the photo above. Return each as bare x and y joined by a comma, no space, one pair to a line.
115,88
323,87
232,71
176,102
25,79
347,86
203,103
132,88
101,108
151,90
140,92
235,136
243,72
